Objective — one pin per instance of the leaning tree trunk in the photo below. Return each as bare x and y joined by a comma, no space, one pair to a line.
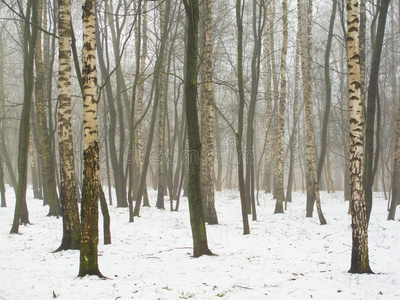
29,41
156,79
328,94
116,22
258,28
200,245
239,134
90,190
119,180
311,171
359,255
370,168
68,197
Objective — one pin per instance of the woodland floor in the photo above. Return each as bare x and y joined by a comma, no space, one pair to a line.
286,256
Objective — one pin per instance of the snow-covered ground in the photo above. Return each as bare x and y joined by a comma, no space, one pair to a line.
286,256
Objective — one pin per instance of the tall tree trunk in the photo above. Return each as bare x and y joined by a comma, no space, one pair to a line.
239,134
207,118
200,245
29,41
278,186
156,79
268,103
133,161
395,172
275,84
119,180
41,111
139,104
293,139
68,197
2,124
90,191
359,255
328,95
258,28
116,25
395,179
370,168
161,115
311,169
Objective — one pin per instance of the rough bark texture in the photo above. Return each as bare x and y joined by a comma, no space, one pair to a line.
275,84
69,202
278,185
90,191
395,173
311,170
359,255
293,139
41,112
207,119
218,181
139,103
396,168
34,168
268,107
200,246
161,119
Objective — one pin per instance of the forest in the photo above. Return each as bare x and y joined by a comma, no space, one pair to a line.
176,149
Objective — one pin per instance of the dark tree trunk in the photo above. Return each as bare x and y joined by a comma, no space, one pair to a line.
106,216
21,212
239,134
369,173
328,95
200,245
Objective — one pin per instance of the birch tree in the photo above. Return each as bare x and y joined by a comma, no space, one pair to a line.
69,203
359,253
278,182
90,190
207,118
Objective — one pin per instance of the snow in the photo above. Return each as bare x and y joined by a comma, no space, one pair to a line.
286,256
